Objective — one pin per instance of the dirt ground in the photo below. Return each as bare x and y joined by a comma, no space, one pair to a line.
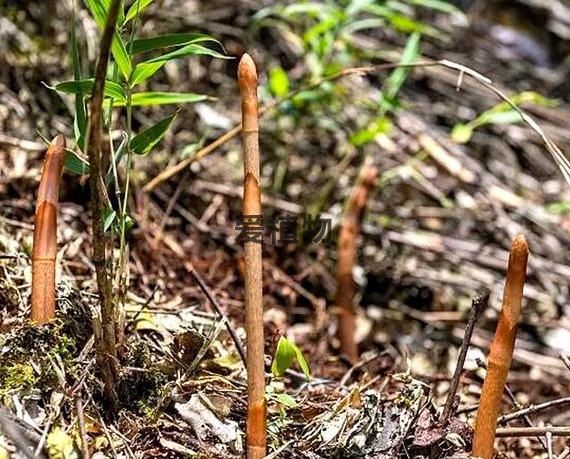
436,233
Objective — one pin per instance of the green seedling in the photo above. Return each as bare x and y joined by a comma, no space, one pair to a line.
502,113
286,353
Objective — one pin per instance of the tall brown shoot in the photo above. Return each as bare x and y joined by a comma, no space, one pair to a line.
501,352
256,411
45,234
349,230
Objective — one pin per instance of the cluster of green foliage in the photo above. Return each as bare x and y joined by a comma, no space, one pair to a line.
134,61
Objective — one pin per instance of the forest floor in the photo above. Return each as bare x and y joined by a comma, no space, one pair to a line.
436,233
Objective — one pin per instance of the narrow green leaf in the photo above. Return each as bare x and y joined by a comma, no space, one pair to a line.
110,216
162,98
498,117
438,5
136,8
286,400
302,361
142,143
112,89
144,71
142,45
398,76
80,120
190,50
121,56
98,9
75,164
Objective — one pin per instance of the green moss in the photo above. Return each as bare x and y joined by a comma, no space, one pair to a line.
27,355
19,376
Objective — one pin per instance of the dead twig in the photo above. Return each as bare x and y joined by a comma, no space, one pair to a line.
477,305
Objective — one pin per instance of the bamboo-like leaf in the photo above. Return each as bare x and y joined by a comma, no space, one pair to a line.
190,50
284,355
136,8
409,56
142,45
162,98
112,89
76,164
98,9
80,120
142,143
144,71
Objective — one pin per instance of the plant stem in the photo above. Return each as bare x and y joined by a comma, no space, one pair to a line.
256,436
501,352
350,227
45,234
106,350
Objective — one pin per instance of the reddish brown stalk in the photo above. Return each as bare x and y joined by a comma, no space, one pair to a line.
45,234
349,230
501,352
256,411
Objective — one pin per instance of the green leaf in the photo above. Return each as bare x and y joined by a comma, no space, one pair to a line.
286,400
461,133
142,143
144,71
80,119
142,45
163,98
497,117
136,8
398,76
285,353
278,82
189,50
98,9
76,164
121,56
110,217
112,90
361,137
302,362
438,5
